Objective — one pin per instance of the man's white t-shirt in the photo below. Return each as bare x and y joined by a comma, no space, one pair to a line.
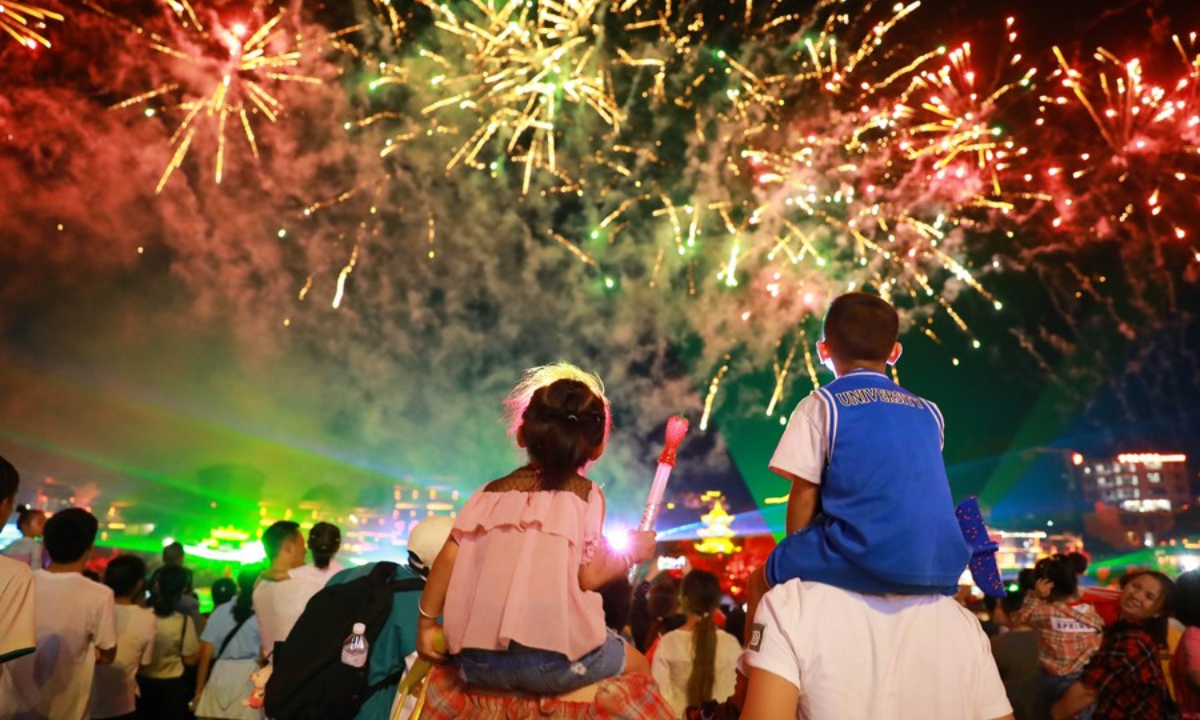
114,691
74,619
18,624
877,657
275,614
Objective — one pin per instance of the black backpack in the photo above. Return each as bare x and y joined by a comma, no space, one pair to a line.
309,681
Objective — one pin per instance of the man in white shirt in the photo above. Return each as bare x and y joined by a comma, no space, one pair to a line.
18,628
817,652
75,629
276,613
114,692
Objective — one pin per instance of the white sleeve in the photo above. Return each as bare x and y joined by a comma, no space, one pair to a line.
771,647
152,632
804,447
658,668
993,700
191,643
106,623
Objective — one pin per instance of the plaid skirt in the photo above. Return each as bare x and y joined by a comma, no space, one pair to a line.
623,697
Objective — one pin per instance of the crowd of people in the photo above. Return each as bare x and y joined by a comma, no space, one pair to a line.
520,607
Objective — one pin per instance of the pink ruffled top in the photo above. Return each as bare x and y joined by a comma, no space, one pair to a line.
516,578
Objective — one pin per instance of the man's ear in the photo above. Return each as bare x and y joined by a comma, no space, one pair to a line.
897,350
823,351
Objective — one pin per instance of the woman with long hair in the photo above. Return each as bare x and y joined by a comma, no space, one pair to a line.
1125,679
163,692
696,663
228,656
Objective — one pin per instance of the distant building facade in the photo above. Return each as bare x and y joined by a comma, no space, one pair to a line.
1136,495
1136,482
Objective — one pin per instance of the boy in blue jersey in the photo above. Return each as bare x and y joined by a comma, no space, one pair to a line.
870,509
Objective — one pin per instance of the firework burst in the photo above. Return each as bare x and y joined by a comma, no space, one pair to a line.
226,77
531,67
25,23
1137,176
855,173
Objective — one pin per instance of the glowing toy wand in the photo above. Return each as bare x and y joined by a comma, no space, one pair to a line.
677,427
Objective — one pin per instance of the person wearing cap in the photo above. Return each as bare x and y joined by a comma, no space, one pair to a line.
397,640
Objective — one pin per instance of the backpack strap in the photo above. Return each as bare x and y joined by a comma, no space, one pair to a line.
408,585
232,633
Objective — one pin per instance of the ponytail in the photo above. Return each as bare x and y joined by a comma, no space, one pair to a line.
704,658
701,593
243,608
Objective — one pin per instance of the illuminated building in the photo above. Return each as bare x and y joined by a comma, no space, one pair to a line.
1135,496
1136,482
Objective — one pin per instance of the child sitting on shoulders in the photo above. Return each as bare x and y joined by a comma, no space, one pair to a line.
517,579
870,509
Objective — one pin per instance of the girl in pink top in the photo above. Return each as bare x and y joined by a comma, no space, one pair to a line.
1185,663
516,581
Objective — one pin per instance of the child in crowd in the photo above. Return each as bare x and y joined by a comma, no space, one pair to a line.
517,580
870,509
1069,630
114,687
31,522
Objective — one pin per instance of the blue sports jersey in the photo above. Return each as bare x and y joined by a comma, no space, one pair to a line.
887,522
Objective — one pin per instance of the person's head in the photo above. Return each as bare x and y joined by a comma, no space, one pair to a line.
617,597
31,521
1079,562
170,582
244,607
126,575
324,540
1187,598
10,481
1008,606
70,535
700,594
223,590
860,331
662,600
173,554
425,541
284,545
1026,579
563,420
1061,574
1146,598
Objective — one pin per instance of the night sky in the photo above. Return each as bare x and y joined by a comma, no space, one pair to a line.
173,347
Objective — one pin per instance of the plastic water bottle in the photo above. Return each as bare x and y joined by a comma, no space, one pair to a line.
354,650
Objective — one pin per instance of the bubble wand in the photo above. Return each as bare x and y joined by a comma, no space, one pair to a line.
677,427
